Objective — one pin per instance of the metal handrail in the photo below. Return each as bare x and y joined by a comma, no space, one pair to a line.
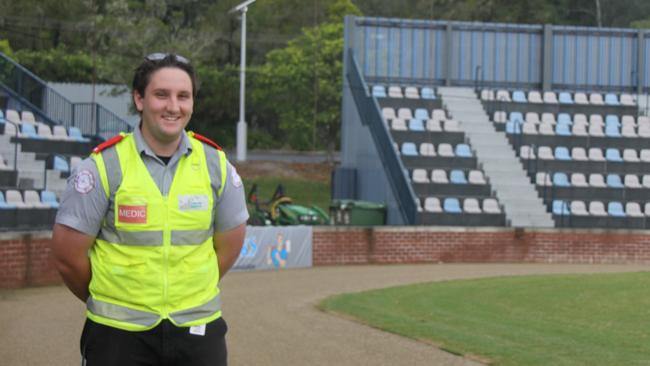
370,115
31,91
27,103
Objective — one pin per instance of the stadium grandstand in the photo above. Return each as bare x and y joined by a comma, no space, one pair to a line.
43,135
479,124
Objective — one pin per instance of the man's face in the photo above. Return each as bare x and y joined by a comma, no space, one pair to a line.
167,104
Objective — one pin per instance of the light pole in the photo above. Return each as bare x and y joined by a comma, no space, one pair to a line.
241,125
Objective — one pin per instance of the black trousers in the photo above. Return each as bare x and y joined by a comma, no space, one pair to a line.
164,345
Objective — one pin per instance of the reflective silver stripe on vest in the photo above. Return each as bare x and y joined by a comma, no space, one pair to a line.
113,169
121,313
137,238
114,177
190,237
199,312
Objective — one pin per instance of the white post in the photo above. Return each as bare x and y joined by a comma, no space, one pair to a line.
241,125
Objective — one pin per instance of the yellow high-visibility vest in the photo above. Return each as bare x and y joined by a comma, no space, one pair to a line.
154,257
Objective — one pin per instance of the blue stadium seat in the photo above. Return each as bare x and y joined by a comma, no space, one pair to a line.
457,177
452,205
61,164
29,130
2,117
416,125
614,181
564,118
75,133
612,131
565,98
563,129
612,154
561,180
611,99
562,153
49,198
612,119
463,151
519,96
615,208
379,91
421,113
3,203
560,208
409,149
427,93
516,117
513,127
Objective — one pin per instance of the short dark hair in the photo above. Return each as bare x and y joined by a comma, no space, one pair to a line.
142,74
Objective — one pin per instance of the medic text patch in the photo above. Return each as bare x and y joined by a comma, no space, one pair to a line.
132,214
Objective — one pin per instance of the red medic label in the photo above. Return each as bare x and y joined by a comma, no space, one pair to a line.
132,214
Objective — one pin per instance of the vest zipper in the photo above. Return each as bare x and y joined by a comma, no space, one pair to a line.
166,248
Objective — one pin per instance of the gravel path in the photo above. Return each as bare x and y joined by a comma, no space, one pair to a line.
271,315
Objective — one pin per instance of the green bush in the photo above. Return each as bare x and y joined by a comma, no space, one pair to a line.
59,64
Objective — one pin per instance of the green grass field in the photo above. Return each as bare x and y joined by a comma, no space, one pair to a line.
302,191
601,319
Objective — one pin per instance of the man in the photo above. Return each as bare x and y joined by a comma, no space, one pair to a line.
147,227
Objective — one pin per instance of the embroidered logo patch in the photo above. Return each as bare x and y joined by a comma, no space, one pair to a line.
197,202
84,181
132,214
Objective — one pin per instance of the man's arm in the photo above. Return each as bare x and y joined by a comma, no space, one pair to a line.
70,249
228,246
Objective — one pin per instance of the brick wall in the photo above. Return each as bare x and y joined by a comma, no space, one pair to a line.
340,245
25,258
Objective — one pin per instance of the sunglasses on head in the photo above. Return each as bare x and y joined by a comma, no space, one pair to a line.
159,56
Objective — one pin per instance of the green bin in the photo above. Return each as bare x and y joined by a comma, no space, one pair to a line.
358,213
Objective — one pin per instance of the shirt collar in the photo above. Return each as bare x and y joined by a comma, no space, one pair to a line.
184,148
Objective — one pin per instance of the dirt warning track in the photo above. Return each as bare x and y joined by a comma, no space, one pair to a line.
272,317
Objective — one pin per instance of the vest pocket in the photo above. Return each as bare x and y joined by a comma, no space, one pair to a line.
192,275
124,279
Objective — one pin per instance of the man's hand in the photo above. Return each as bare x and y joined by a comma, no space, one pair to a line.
70,248
228,246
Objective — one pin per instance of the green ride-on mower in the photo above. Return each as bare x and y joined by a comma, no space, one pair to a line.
280,210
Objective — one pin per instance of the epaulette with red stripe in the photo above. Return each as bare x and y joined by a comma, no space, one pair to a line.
206,140
108,143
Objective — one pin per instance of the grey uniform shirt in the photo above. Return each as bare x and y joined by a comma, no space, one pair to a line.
85,203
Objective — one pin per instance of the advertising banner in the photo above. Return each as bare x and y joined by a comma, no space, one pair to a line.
275,247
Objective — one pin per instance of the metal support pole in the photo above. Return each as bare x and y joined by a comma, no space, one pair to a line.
547,57
241,125
640,70
449,53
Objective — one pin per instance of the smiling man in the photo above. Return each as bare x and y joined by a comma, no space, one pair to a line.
147,228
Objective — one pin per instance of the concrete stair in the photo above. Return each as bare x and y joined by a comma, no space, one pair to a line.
521,203
31,172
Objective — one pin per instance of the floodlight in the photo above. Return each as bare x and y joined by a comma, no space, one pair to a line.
241,6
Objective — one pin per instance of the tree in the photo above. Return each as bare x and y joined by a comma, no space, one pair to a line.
301,84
